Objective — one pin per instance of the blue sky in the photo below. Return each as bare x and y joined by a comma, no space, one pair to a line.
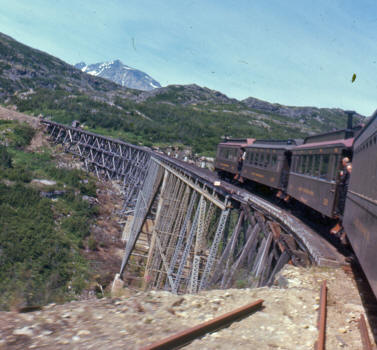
300,53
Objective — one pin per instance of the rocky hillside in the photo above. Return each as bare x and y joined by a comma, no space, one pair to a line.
188,115
187,95
121,74
321,114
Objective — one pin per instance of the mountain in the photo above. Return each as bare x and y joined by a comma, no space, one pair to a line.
37,83
121,74
291,111
186,95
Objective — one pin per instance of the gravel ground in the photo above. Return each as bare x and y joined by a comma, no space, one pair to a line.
287,320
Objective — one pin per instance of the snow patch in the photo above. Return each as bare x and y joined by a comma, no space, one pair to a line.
154,85
93,72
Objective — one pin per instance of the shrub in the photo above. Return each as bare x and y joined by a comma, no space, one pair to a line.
5,158
23,135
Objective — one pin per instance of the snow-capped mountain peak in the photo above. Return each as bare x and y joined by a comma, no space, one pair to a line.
121,74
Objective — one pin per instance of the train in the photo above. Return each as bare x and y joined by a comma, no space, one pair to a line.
308,170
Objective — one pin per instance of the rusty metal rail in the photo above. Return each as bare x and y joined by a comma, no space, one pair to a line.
320,344
190,334
367,345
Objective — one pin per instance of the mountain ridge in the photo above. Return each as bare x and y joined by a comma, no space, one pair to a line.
121,74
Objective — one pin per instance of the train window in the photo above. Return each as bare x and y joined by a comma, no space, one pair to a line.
304,162
309,165
316,165
261,159
308,170
324,166
301,164
335,170
226,153
251,157
229,154
294,164
267,159
256,156
274,160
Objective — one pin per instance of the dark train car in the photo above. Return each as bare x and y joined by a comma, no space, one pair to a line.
360,216
314,173
228,153
268,162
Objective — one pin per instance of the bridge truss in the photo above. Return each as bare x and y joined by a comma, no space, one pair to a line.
184,233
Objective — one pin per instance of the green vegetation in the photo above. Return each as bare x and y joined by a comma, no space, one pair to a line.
152,123
40,238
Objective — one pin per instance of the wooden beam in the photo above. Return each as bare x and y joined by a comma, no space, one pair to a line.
253,236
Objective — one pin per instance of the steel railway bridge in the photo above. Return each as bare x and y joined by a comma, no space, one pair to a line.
185,230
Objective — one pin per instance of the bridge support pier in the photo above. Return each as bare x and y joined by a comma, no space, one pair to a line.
203,239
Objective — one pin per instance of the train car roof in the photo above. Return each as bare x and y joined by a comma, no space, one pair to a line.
237,142
372,118
333,135
324,144
276,144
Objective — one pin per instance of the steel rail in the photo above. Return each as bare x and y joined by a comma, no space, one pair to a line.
367,345
320,344
190,334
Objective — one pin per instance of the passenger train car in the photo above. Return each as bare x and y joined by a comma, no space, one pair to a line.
314,173
306,170
268,162
360,215
309,172
227,155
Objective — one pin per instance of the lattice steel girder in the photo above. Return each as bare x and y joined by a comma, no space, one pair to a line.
115,158
144,202
214,247
194,185
185,252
